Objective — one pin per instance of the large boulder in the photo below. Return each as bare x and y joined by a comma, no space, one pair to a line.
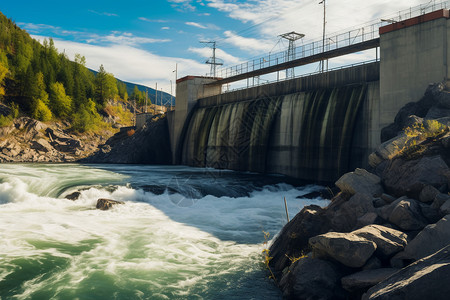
429,240
347,248
406,214
360,181
427,278
310,278
403,177
293,238
365,279
389,241
345,217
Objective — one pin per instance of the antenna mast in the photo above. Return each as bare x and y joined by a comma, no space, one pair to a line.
291,37
212,60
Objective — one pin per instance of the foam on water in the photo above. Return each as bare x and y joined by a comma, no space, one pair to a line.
150,247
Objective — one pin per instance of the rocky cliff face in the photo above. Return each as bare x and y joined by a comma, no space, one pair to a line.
386,235
28,140
150,145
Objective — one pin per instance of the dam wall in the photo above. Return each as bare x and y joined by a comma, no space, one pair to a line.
312,128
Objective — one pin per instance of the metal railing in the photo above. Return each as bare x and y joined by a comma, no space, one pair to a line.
332,42
227,89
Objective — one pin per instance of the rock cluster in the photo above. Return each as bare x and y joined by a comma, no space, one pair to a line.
386,235
28,140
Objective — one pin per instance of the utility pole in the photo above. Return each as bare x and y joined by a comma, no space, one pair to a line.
324,23
212,60
291,37
146,96
156,94
171,95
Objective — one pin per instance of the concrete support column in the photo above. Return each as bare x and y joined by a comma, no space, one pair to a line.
189,90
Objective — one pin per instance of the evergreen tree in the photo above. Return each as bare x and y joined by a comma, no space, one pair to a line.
105,86
60,103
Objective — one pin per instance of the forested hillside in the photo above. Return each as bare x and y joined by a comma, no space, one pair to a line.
39,82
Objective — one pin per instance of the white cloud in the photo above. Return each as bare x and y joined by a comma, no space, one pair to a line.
201,26
183,5
137,66
248,44
194,24
103,13
152,20
126,38
165,28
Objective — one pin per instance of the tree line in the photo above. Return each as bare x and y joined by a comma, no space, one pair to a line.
45,84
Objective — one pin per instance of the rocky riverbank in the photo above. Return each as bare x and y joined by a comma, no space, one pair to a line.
386,235
29,140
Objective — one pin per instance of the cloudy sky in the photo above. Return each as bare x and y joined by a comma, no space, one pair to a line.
142,41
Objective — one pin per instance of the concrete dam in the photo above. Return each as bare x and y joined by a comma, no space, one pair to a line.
316,127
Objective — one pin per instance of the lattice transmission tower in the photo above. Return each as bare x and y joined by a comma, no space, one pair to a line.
213,60
291,37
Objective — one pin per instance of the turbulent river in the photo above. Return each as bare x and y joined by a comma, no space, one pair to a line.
183,233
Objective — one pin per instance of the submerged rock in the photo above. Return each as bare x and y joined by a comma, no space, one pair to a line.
105,204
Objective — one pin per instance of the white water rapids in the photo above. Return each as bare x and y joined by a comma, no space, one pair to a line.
183,233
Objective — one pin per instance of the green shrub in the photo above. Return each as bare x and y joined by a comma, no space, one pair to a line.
42,112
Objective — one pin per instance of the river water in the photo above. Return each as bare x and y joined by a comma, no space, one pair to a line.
183,233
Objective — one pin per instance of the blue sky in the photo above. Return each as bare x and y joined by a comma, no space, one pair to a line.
141,41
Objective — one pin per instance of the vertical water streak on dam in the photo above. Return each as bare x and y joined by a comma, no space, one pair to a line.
304,135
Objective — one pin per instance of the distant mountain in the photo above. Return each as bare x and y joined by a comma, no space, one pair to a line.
162,100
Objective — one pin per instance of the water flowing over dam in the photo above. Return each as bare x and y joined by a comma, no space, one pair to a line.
301,134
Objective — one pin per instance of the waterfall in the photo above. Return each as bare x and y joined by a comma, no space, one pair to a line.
306,135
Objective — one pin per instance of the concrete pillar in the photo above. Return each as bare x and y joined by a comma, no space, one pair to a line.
189,90
414,53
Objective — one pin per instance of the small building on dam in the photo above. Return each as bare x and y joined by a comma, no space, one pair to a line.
315,127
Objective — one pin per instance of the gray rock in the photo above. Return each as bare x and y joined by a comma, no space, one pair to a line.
431,214
367,219
445,208
428,193
387,198
105,204
366,279
360,181
293,238
429,240
311,278
346,216
42,145
427,278
378,202
373,263
385,211
347,248
439,200
403,177
407,215
389,241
